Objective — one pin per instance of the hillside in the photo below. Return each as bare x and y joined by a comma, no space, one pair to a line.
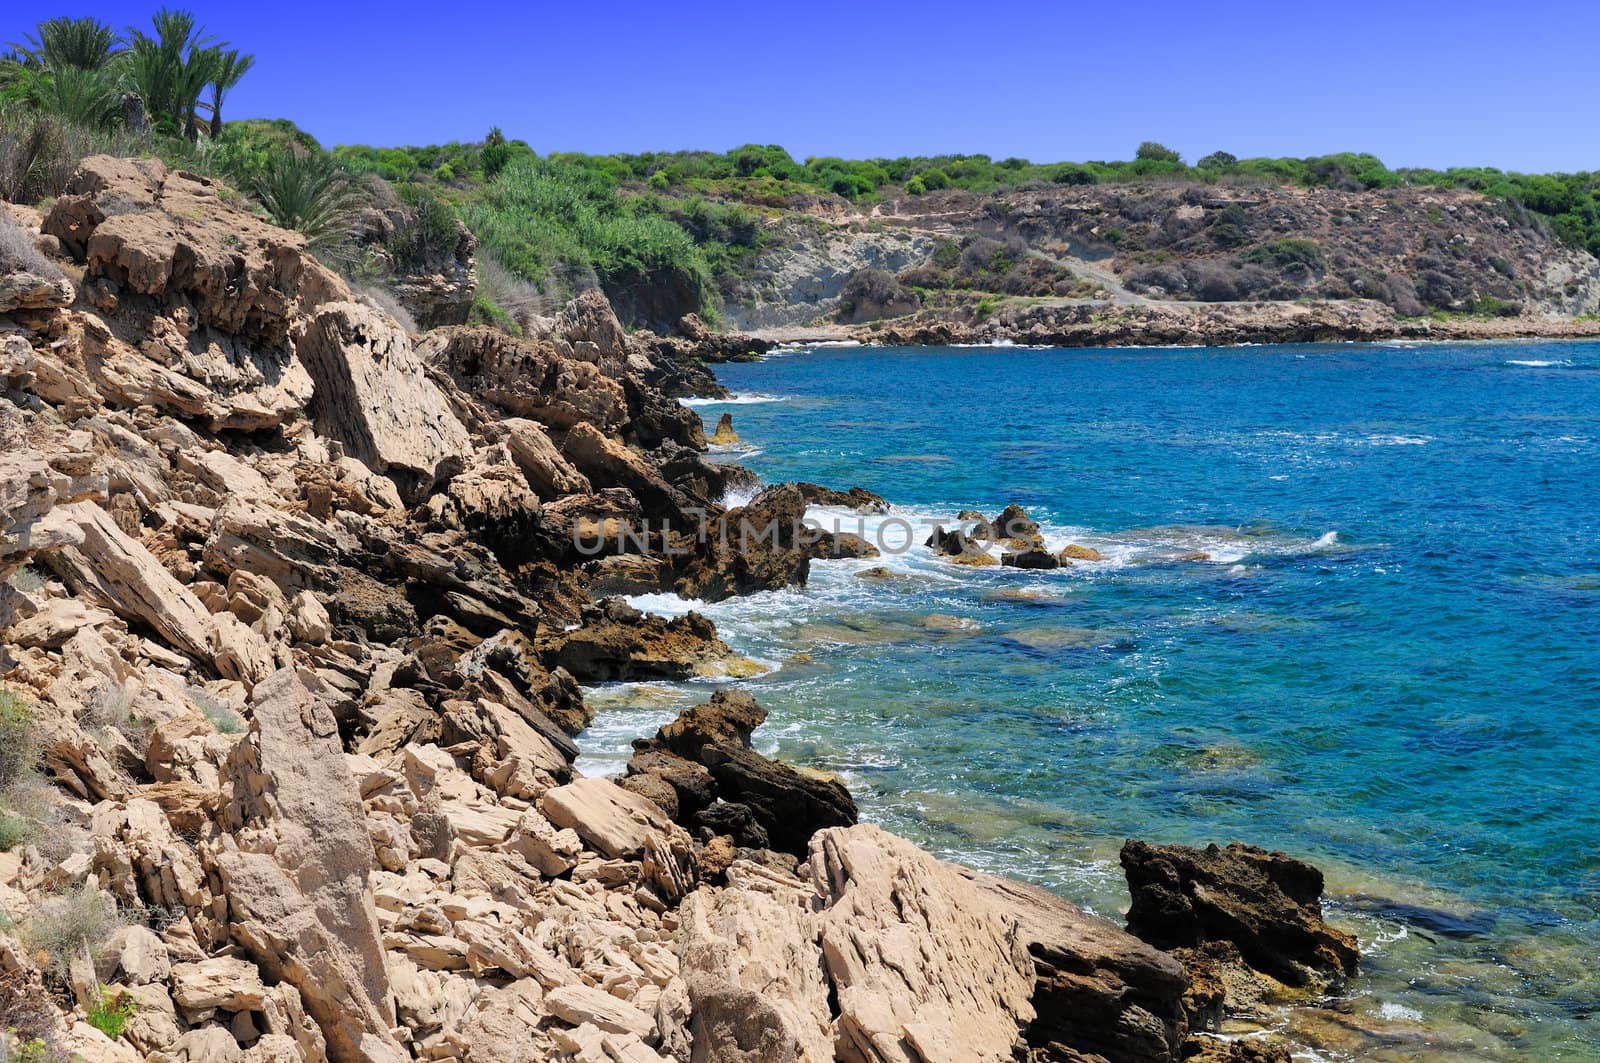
1415,250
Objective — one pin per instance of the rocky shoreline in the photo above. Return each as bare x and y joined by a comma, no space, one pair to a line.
1208,325
297,613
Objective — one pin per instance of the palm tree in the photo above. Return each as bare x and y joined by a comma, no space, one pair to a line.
83,96
231,67
171,69
312,193
82,43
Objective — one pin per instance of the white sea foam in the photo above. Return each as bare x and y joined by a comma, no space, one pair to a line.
1539,363
1392,1011
736,400
1399,440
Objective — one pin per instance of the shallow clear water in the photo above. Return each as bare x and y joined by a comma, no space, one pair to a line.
1386,661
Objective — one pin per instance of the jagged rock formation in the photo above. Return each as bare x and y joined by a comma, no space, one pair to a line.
701,770
1266,904
303,688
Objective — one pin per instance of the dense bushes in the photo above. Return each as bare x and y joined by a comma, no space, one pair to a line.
543,218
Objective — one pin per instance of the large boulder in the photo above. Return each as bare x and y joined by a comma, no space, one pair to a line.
374,395
299,900
1098,990
527,378
1268,904
924,966
219,297
757,983
759,801
765,545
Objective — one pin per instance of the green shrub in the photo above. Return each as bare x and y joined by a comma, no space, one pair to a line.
19,744
1073,174
111,1012
935,179
223,718
14,829
1150,151
430,236
1285,254
916,186
71,923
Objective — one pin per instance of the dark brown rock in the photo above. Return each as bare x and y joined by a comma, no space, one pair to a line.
1033,559
857,499
691,782
761,546
791,805
1100,992
618,642
1266,903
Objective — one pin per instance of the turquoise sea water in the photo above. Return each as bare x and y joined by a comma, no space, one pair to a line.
1386,660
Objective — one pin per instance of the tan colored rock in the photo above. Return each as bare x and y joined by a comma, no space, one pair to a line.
33,291
526,378
499,1029
84,1044
292,550
141,860
299,899
222,982
1097,987
373,394
308,619
55,623
154,1023
548,473
578,1004
140,956
492,947
552,852
755,977
608,463
238,652
117,572
209,1044
609,819
924,966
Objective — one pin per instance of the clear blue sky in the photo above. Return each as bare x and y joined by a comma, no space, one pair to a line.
1515,86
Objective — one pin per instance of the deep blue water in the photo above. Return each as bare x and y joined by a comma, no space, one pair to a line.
1386,660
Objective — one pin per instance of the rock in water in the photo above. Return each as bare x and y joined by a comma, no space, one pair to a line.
1268,904
725,436
704,756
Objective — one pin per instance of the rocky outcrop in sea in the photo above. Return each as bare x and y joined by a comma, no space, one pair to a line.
296,613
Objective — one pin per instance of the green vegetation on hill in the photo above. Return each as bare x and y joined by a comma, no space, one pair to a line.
664,233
